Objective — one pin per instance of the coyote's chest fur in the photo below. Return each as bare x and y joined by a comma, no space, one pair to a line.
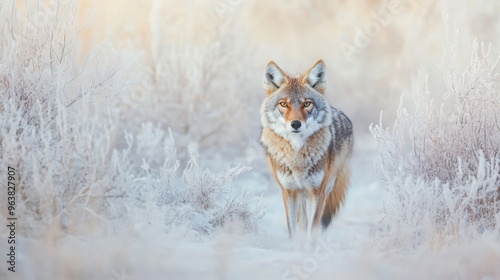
298,168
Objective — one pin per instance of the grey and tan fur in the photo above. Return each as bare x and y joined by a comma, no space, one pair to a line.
308,145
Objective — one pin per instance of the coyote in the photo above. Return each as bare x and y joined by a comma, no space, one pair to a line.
308,145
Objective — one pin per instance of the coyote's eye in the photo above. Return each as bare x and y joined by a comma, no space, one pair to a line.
307,103
283,104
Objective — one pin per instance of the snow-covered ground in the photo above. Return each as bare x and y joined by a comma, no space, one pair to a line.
145,252
346,251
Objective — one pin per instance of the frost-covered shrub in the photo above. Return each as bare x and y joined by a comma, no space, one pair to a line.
196,198
193,84
50,132
419,211
59,128
441,161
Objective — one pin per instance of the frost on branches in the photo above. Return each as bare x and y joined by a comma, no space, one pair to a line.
441,162
198,199
61,128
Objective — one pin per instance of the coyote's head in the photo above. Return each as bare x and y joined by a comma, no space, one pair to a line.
295,105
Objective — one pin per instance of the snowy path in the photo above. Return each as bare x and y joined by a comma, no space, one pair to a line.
346,251
271,257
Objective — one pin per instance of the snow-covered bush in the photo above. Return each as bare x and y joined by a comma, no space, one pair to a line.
195,198
50,132
195,88
62,130
441,162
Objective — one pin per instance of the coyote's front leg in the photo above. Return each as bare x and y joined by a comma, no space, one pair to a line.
311,207
290,199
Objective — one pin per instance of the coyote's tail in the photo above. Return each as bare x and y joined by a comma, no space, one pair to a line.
336,197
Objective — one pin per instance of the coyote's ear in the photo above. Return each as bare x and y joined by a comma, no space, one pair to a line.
316,76
274,77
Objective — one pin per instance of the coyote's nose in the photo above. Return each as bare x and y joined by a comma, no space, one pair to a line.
296,125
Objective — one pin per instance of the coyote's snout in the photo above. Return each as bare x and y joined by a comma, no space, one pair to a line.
308,145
